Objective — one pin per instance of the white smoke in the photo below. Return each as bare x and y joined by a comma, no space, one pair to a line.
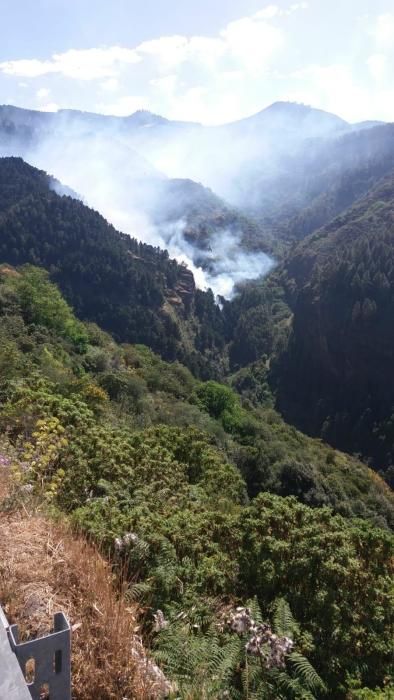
126,198
98,162
121,166
222,266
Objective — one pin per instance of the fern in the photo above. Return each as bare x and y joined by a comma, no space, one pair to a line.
255,610
206,662
197,662
138,592
305,672
233,655
284,623
290,687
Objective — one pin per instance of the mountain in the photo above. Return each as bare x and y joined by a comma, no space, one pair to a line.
131,289
290,167
211,510
285,171
97,157
325,179
301,120
232,158
288,117
338,284
314,183
335,375
203,507
368,124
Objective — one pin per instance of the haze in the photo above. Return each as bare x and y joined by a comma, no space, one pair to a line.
211,63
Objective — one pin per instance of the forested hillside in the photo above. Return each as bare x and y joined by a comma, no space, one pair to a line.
197,346
337,284
319,331
334,174
131,289
339,356
205,217
96,155
144,412
224,516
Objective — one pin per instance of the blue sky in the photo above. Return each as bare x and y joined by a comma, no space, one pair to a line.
211,61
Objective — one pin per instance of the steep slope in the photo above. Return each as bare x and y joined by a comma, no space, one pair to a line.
330,176
291,167
45,568
335,376
204,214
133,290
143,457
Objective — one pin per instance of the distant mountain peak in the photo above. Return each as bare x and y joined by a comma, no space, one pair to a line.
298,111
288,105
295,120
143,117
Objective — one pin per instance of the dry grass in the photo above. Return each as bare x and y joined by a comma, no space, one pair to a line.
44,568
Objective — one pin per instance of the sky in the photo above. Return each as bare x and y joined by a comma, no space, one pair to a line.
211,61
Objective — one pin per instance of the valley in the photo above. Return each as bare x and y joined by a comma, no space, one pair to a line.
196,358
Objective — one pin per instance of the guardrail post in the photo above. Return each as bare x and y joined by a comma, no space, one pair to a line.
51,657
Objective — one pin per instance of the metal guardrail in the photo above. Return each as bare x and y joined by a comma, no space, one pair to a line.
12,682
45,662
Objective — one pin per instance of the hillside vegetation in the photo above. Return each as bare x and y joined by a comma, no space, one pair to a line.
318,332
205,518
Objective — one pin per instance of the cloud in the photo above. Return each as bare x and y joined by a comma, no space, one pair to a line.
190,78
337,88
275,11
377,66
166,85
50,107
330,86
167,52
297,6
110,85
84,64
26,68
250,62
42,93
268,12
383,30
252,42
247,40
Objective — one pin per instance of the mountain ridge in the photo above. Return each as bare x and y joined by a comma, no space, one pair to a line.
275,107
274,166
